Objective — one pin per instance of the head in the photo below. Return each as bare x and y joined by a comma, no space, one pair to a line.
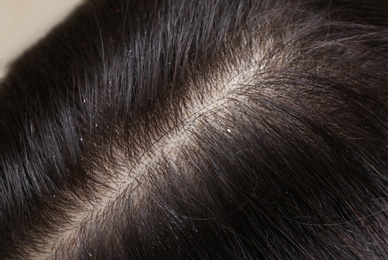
185,129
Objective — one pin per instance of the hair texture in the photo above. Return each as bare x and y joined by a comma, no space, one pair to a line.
217,129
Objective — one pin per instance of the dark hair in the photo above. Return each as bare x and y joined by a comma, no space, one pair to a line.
199,130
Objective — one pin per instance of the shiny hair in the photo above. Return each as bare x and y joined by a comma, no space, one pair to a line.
177,129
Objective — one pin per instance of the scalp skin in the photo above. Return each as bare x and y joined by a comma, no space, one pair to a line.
179,129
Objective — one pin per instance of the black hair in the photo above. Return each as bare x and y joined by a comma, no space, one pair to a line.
179,129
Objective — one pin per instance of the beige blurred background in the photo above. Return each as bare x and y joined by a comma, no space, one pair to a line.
23,22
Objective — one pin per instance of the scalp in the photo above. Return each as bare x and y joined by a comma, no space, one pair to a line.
178,129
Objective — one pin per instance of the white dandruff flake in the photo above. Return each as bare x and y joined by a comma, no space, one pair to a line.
228,130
